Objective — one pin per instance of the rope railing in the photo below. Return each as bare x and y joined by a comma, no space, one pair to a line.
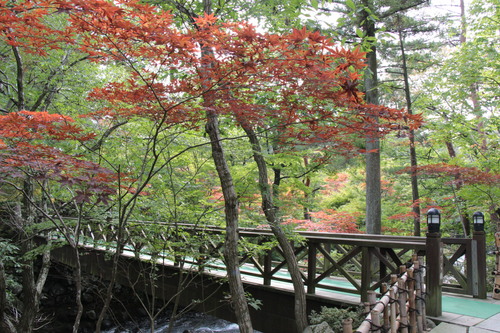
401,308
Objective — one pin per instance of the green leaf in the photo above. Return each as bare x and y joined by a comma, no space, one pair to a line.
360,33
314,4
350,4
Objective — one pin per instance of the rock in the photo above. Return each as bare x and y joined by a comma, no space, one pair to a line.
430,324
107,324
320,328
203,330
88,298
57,289
91,315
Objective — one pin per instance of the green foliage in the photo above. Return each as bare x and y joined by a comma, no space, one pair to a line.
335,316
10,260
256,304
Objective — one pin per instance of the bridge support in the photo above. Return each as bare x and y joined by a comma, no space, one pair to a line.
434,274
479,274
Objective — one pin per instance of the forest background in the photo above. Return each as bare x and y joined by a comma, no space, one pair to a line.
93,126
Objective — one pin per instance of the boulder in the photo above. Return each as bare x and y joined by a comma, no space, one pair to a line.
320,328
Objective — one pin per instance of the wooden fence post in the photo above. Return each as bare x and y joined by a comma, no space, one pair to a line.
384,289
267,267
402,298
410,282
434,274
394,311
311,267
418,294
347,325
366,273
480,274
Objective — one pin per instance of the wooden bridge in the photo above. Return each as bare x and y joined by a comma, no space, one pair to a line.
336,268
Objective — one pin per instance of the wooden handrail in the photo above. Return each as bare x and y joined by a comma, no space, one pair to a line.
402,313
322,255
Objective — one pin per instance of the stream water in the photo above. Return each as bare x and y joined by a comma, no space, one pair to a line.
190,322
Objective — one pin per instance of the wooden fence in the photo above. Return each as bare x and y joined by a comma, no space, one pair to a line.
363,263
401,308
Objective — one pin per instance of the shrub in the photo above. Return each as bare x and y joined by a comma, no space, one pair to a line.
335,316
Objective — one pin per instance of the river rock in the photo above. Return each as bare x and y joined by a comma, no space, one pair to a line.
91,314
320,328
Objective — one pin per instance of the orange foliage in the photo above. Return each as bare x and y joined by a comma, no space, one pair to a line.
459,174
28,125
301,82
336,183
290,70
24,152
328,221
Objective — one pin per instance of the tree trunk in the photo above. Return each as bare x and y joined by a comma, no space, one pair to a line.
6,325
32,286
373,178
78,286
413,153
231,203
231,255
114,269
273,219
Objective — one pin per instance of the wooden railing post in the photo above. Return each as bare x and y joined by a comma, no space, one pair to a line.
347,325
402,299
366,273
479,275
434,274
268,267
311,267
419,303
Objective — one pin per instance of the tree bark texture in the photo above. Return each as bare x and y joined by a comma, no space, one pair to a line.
272,217
373,184
413,153
6,325
231,204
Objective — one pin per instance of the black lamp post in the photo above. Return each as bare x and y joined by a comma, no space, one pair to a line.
478,221
433,220
434,258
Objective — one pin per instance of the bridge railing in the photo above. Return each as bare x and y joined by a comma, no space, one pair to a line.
401,308
350,263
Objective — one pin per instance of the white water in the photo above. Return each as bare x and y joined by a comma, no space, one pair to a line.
190,323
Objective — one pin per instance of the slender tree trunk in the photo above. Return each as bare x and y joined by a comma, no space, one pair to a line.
231,203
307,183
173,316
26,219
413,153
114,273
231,255
78,285
273,219
19,79
462,211
373,177
6,325
32,285
495,216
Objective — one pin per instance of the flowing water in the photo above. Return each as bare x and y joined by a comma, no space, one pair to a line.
191,322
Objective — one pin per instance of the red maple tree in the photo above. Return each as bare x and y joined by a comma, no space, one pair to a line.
301,85
27,150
